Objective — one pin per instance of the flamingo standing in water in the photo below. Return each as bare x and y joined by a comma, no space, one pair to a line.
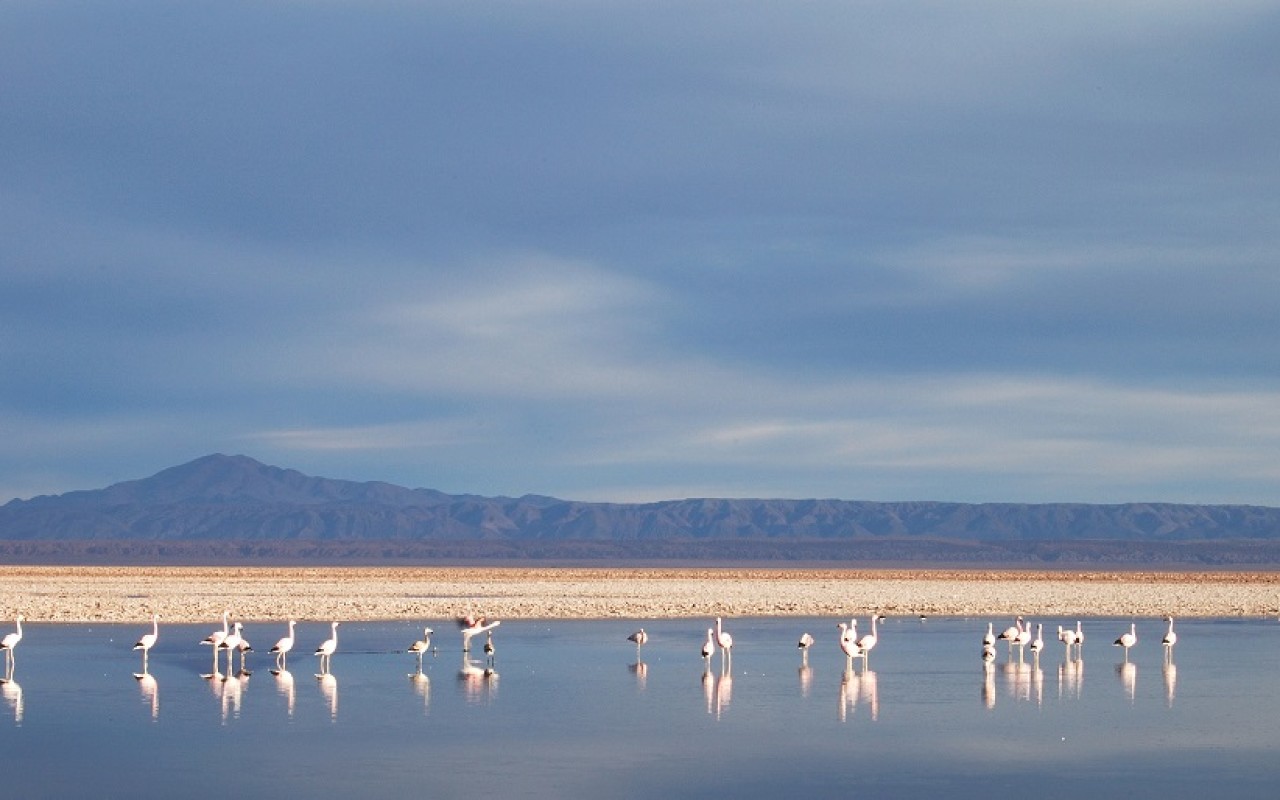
868,640
1010,634
1037,644
639,637
326,648
709,647
1023,638
147,641
847,645
1128,640
231,643
806,641
215,639
725,641
1170,638
421,646
989,638
9,642
282,647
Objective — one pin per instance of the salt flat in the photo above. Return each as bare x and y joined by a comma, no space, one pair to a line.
191,594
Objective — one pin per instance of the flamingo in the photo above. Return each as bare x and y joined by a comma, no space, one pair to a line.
1037,644
488,648
282,647
215,640
1010,634
639,637
989,638
325,650
233,641
1170,637
806,641
847,645
9,642
1079,637
724,640
1128,640
868,641
988,652
148,640
421,646
709,647
1023,638
1067,637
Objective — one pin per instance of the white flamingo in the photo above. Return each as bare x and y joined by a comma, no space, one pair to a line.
488,648
806,641
8,643
215,640
1128,640
1023,638
326,649
148,640
231,643
1079,638
1037,643
1170,637
724,640
282,647
1010,634
709,647
639,637
1067,637
868,641
989,638
421,646
847,645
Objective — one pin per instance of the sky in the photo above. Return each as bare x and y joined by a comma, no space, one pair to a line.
976,252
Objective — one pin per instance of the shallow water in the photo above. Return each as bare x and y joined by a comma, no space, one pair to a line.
567,710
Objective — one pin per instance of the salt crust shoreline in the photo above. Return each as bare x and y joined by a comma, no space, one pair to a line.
195,594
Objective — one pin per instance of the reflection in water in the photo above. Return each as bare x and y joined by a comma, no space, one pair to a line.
150,693
988,685
422,687
1070,678
1170,682
724,692
859,687
1128,674
12,693
1017,677
284,688
329,690
709,689
479,684
641,671
230,690
806,679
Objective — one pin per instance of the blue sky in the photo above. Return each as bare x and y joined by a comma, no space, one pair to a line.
640,251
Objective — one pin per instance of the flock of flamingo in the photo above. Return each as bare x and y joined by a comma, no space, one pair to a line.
230,640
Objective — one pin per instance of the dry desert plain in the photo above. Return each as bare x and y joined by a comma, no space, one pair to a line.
194,594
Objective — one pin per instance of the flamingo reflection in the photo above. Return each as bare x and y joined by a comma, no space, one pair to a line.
1017,676
12,693
478,683
230,690
150,691
1128,674
1071,678
988,684
641,671
329,691
1170,682
285,688
857,688
422,687
806,679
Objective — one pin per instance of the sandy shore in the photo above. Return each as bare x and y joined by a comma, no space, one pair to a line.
193,594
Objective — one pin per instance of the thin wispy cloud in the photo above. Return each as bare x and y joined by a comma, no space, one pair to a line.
899,251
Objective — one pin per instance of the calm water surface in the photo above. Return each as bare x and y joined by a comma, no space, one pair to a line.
569,711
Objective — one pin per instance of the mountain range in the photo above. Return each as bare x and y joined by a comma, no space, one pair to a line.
220,499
